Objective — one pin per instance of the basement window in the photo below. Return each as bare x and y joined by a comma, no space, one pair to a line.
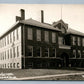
17,65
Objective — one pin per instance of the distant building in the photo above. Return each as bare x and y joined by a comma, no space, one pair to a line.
33,44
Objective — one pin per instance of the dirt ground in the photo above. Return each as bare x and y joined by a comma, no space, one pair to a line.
42,72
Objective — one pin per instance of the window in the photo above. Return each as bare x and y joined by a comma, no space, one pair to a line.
46,52
14,65
79,54
30,64
30,50
83,41
60,39
17,51
5,65
30,35
53,37
10,53
46,36
13,35
17,34
38,51
83,54
79,41
63,30
5,41
5,54
14,52
38,35
74,40
17,65
10,65
10,38
74,53
53,52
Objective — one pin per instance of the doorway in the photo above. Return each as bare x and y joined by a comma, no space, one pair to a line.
65,58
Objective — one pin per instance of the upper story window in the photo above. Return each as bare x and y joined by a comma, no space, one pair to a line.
79,41
74,53
38,35
83,41
14,53
63,30
17,34
60,39
46,36
30,35
13,35
74,40
10,37
53,37
79,54
10,53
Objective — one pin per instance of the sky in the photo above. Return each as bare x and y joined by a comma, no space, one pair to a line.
73,14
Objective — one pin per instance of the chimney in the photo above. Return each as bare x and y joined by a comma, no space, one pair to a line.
42,16
22,14
18,18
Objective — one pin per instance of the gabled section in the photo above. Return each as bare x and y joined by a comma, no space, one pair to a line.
61,25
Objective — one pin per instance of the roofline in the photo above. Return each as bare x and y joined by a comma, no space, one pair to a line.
74,34
42,27
9,29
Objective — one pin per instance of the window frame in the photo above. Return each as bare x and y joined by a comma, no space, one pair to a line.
38,35
32,51
30,34
53,38
46,36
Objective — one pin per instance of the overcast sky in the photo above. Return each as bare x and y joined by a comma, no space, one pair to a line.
71,14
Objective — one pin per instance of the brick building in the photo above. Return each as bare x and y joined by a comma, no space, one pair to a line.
32,44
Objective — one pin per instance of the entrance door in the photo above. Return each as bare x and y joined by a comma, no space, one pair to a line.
65,58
